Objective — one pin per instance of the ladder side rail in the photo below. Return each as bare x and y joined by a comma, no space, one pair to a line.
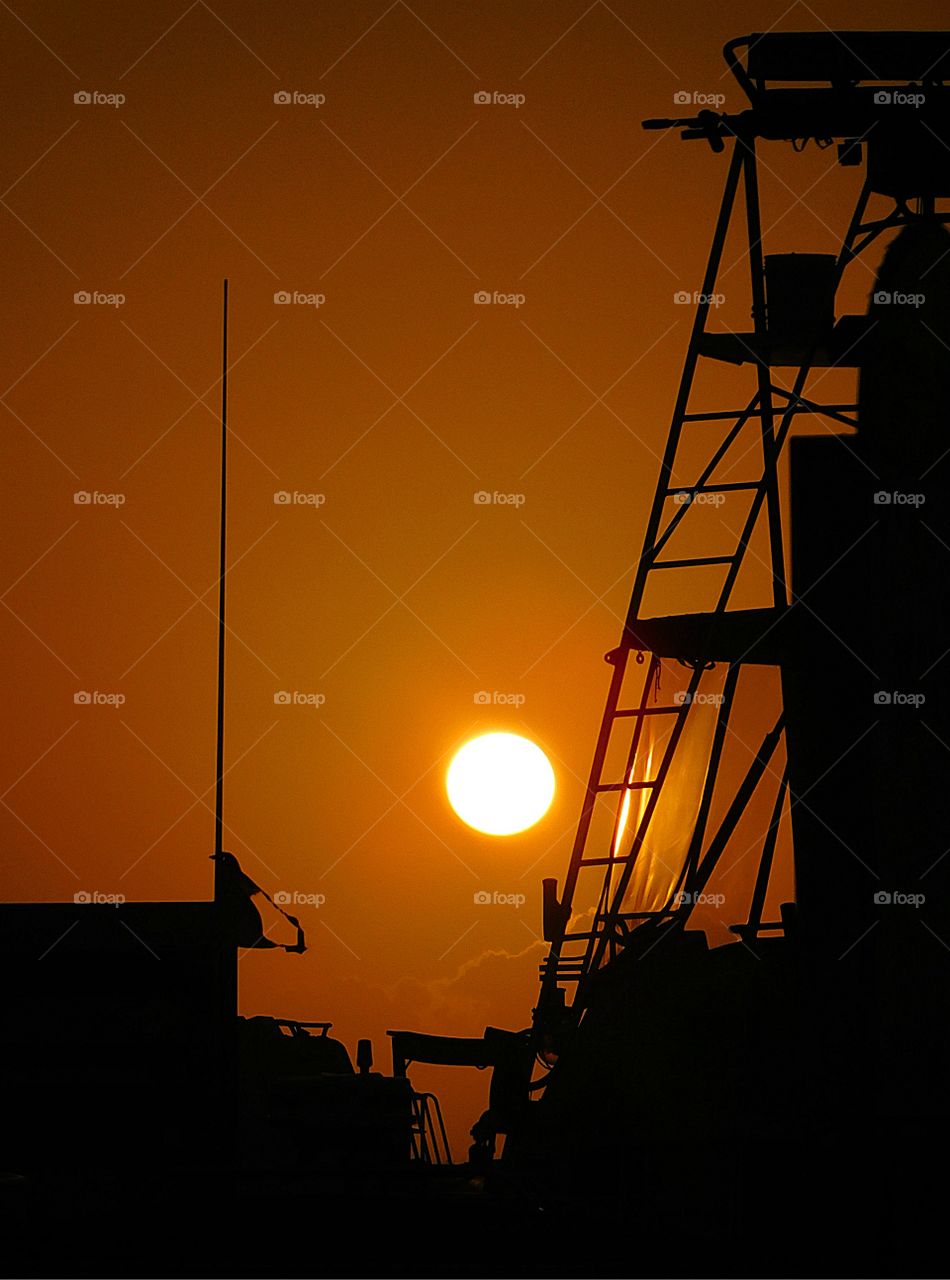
596,953
653,670
608,911
686,379
763,370
755,506
603,902
619,664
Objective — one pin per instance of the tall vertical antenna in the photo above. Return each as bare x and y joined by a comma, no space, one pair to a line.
219,762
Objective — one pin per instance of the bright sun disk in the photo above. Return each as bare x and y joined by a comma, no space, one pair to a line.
500,783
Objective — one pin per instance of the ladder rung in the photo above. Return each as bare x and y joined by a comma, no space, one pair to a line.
777,410
722,415
604,862
691,564
732,487
624,786
650,711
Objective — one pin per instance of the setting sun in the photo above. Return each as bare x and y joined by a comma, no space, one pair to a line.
500,783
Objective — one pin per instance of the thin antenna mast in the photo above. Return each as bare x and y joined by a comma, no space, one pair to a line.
219,761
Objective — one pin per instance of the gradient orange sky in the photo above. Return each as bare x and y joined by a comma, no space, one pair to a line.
397,599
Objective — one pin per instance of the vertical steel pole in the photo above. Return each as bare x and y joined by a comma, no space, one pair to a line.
219,751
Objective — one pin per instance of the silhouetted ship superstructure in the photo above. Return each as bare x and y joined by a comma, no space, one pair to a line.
799,1077
780,1102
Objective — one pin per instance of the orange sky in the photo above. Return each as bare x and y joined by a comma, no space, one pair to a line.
398,598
